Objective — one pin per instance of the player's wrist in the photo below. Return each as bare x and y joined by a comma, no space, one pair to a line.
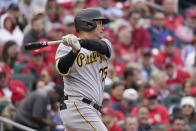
75,51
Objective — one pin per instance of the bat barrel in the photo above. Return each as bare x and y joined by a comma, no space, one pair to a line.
35,45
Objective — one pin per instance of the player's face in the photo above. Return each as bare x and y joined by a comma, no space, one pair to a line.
98,31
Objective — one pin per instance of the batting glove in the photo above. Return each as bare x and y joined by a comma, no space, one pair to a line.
72,41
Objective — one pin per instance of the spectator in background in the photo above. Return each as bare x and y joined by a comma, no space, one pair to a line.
118,65
186,87
27,7
168,54
77,6
188,49
47,76
172,20
21,21
126,8
131,78
10,30
109,11
140,6
185,32
193,92
35,63
190,61
131,124
158,80
8,86
178,123
184,4
106,100
53,11
47,59
4,5
36,32
157,114
38,85
110,78
188,107
143,120
32,111
146,63
158,31
144,10
10,110
41,14
116,92
10,53
124,50
129,101
140,36
55,33
193,76
176,76
109,119
68,22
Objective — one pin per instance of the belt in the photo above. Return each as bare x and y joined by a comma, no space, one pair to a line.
95,105
63,106
85,100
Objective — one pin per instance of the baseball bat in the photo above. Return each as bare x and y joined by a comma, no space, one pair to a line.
39,45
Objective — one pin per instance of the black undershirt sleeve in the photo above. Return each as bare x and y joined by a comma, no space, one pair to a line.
66,62
95,45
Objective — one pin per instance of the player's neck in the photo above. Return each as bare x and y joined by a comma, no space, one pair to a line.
86,35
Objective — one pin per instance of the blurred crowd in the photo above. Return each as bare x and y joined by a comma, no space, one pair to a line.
151,79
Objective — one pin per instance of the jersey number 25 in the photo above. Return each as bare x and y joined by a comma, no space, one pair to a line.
103,73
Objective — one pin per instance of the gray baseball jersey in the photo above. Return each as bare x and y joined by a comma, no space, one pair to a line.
87,75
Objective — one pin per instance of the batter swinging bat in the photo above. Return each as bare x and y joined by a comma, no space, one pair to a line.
38,45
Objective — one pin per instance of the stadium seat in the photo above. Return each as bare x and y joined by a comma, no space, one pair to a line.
27,79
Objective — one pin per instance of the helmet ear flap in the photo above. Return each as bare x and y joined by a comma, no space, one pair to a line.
85,25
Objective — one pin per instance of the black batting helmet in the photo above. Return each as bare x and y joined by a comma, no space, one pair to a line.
85,19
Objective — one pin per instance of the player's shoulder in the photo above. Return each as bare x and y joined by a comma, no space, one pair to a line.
107,42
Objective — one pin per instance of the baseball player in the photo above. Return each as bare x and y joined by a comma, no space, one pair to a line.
83,63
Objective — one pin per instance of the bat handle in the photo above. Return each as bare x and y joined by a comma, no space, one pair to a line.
55,42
